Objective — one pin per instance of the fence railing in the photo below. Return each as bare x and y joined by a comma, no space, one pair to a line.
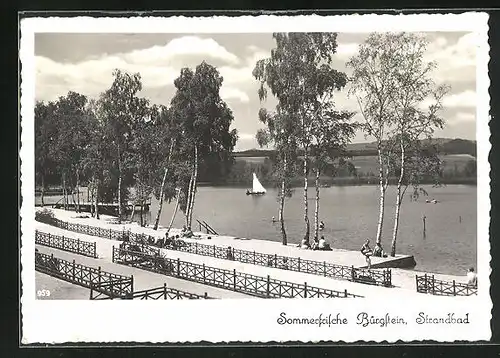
258,286
373,277
428,284
76,246
158,293
106,283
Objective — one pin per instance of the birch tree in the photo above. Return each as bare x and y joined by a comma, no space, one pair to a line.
412,120
121,108
299,73
204,122
373,84
331,132
278,132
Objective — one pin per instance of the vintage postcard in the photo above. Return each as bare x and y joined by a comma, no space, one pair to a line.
255,179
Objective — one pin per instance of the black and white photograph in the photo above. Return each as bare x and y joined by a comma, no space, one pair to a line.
216,172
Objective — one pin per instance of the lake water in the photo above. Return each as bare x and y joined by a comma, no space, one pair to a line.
350,214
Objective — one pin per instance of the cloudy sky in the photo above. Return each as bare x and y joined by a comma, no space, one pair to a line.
84,63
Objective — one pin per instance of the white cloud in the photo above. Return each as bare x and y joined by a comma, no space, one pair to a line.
346,50
466,117
230,93
182,46
463,99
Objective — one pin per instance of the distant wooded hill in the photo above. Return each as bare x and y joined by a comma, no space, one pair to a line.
446,146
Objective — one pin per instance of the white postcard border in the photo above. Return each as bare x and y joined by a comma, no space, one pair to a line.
246,320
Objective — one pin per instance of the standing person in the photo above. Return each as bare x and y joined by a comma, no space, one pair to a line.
367,252
472,277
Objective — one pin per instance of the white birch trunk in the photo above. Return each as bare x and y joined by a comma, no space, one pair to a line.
133,211
119,186
77,191
174,213
282,202
65,199
194,186
188,199
306,204
316,208
43,191
162,188
97,200
382,187
398,202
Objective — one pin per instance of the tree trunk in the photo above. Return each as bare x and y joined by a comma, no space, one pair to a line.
119,187
43,191
194,187
316,209
383,188
188,199
141,213
175,212
282,203
65,199
162,188
77,191
133,211
398,202
306,204
97,200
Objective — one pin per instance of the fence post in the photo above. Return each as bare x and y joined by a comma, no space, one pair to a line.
196,248
99,275
63,246
305,289
298,264
345,293
78,244
203,273
275,260
110,234
433,282
234,279
131,285
454,289
164,290
352,272
205,295
73,271
268,284
324,268
214,250
178,267
95,250
254,257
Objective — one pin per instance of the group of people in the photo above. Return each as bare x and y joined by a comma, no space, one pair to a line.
367,252
317,244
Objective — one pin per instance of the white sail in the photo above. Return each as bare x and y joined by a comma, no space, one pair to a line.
257,186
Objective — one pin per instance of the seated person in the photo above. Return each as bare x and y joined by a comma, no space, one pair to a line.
378,251
472,277
315,244
304,244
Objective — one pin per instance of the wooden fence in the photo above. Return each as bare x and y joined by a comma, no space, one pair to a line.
158,293
258,286
76,246
350,273
103,282
428,284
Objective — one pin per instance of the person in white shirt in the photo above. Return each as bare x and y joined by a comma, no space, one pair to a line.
472,277
322,243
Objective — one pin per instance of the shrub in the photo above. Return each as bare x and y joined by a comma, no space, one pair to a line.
45,216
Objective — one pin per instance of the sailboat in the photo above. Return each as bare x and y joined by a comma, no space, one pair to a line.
257,188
